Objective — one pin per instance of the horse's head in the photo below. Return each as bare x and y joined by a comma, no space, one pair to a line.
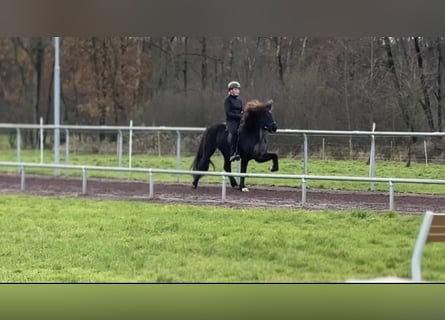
259,114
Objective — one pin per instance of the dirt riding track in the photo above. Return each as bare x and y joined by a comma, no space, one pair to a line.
211,194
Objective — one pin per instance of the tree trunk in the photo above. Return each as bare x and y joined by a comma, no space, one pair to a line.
402,105
50,95
279,59
185,65
98,49
231,55
346,93
203,63
426,104
38,69
439,86
250,60
397,86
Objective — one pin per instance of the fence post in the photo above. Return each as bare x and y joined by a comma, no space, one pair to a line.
67,146
372,159
159,143
130,143
322,149
303,191
22,178
41,139
391,195
223,188
18,144
119,151
150,184
178,153
56,99
305,154
84,180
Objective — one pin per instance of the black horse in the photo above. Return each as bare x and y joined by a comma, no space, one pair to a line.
256,122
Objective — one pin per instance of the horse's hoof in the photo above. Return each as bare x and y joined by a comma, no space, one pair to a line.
194,185
245,189
273,169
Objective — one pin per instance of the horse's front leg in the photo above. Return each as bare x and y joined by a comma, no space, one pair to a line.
243,169
274,162
269,156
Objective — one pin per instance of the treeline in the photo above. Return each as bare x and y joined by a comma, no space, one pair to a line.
316,83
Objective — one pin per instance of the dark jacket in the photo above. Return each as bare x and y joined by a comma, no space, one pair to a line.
233,107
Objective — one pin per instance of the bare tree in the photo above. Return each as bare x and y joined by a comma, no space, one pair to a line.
397,86
317,83
278,57
35,50
439,84
425,103
185,64
204,62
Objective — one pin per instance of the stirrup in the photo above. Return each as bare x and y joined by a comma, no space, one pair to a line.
234,157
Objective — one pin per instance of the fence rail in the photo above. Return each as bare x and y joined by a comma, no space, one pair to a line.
178,130
152,171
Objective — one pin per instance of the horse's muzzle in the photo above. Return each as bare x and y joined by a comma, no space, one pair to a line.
271,127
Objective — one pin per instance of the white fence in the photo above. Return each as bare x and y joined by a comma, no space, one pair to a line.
152,171
178,130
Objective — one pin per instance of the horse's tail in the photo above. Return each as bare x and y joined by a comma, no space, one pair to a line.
201,152
202,160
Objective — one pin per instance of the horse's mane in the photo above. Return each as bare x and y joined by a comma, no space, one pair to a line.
255,104
252,105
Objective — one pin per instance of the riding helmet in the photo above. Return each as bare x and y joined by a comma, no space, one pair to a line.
233,84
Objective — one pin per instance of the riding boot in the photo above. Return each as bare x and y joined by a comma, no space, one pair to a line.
234,156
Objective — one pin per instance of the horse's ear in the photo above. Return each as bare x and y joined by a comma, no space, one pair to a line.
269,104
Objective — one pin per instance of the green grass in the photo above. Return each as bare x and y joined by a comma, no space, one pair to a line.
82,240
385,169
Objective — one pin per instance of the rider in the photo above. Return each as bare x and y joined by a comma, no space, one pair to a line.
233,107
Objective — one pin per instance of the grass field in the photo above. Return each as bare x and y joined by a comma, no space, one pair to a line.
82,240
384,169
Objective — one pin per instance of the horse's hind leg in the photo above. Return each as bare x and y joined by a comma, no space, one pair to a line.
203,165
228,168
196,178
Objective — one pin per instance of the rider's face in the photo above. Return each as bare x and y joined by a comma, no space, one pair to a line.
235,92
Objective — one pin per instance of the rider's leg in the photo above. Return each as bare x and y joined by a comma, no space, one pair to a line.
233,129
